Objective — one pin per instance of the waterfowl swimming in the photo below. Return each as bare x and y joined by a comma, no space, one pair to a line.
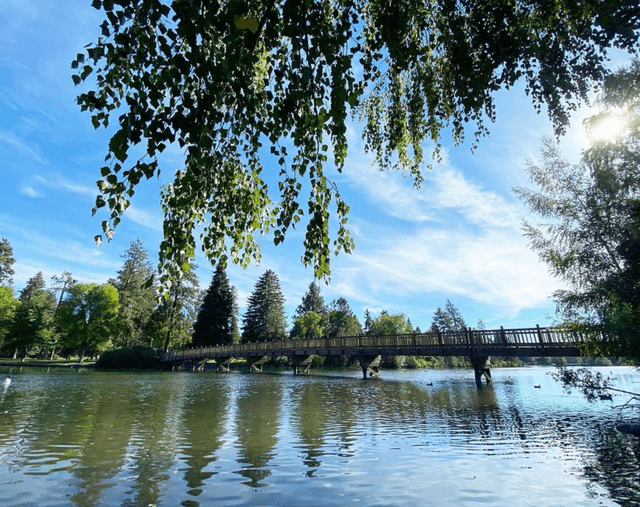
7,382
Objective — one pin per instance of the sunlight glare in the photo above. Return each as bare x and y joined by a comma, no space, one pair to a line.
609,128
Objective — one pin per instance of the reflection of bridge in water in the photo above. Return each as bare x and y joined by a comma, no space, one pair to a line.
477,345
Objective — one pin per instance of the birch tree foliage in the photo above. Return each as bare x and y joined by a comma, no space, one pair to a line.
251,87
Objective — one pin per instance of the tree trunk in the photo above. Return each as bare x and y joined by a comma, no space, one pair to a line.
15,353
170,326
53,352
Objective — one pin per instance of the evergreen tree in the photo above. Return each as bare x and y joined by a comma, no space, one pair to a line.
265,318
367,321
457,321
480,325
342,320
35,285
449,319
6,262
217,318
312,301
137,295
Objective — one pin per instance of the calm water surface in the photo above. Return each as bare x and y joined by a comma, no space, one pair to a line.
420,438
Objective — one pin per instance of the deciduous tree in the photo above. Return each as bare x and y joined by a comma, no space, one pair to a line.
89,316
8,304
32,326
222,79
308,326
175,316
387,324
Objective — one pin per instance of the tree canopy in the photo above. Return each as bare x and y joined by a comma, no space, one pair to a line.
244,86
390,324
89,315
591,234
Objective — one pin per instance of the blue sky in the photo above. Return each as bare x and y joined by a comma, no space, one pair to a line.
459,237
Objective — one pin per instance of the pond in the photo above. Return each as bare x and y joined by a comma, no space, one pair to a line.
420,437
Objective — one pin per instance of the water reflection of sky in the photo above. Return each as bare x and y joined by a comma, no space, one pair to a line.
419,437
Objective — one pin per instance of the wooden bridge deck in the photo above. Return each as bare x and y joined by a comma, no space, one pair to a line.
532,342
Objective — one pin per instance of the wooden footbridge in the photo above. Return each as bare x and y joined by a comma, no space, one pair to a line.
477,345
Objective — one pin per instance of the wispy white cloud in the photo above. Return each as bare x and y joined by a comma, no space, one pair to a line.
59,182
30,191
453,237
149,218
22,146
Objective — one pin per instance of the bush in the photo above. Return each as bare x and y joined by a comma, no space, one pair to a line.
127,358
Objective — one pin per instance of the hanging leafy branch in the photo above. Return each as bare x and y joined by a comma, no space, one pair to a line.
246,88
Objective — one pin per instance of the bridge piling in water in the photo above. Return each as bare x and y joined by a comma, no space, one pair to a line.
370,365
298,362
481,368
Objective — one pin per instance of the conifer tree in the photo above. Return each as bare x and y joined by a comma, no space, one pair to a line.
449,319
265,317
312,301
342,321
137,295
6,262
368,320
217,319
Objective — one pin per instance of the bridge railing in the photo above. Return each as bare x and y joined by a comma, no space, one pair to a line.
537,336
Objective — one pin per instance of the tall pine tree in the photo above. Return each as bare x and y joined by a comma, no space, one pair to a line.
265,318
449,319
342,320
137,295
217,319
312,301
6,262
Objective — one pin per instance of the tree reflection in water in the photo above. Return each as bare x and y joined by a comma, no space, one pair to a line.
200,439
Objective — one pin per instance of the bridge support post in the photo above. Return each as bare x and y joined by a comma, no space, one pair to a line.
224,365
255,363
370,365
481,366
302,364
